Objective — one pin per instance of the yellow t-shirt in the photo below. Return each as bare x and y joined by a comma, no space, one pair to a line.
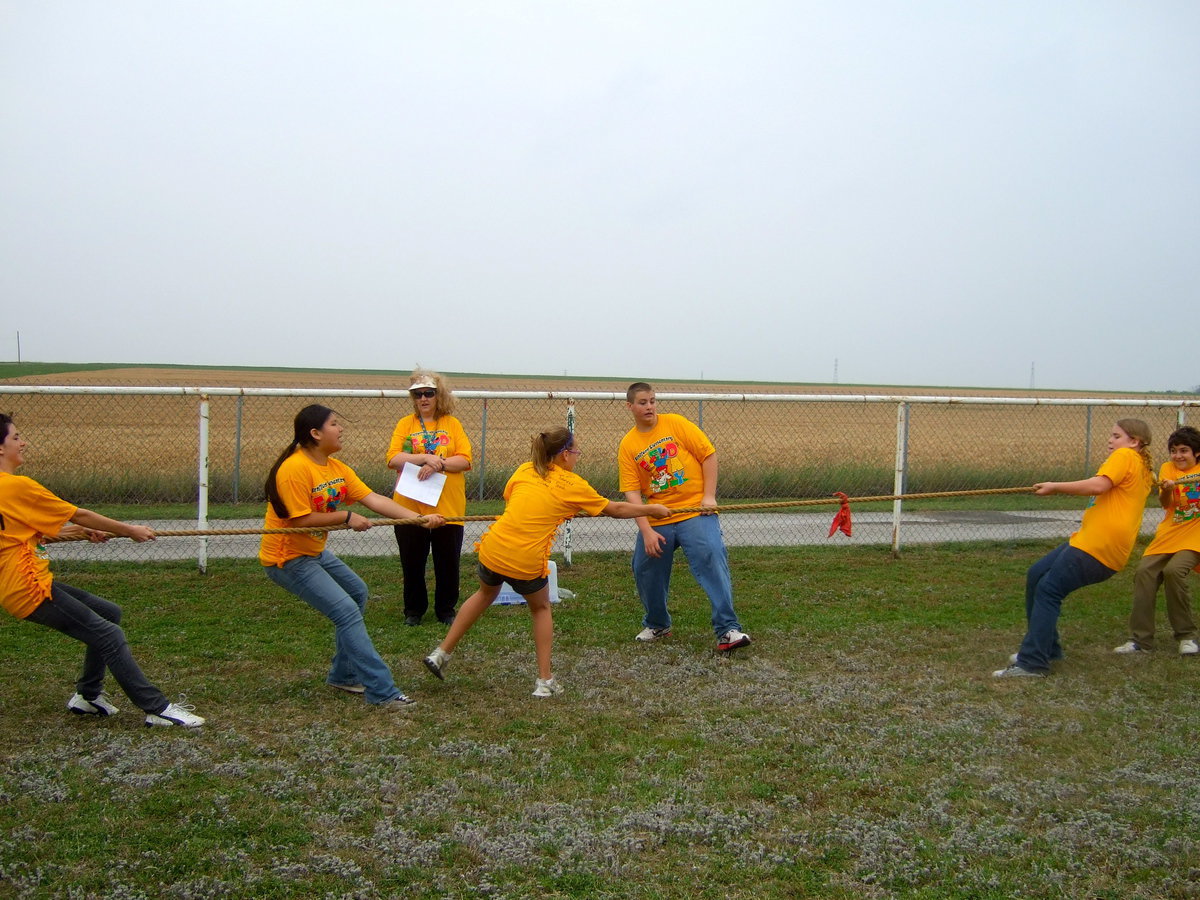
517,545
443,437
665,464
306,488
1112,520
1180,527
27,511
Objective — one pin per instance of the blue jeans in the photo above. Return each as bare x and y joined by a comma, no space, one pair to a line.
700,538
1061,571
332,588
93,620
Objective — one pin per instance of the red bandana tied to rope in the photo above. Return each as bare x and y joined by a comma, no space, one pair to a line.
841,519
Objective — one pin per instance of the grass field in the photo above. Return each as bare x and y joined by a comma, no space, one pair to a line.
859,748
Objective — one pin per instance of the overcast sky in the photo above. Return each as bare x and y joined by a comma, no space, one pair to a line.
907,193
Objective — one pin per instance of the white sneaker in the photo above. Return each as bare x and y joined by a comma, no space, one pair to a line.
175,714
547,687
436,662
732,639
101,707
1130,647
1186,648
646,635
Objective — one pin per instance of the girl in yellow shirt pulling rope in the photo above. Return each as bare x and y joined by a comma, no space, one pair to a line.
308,487
540,496
28,590
1096,552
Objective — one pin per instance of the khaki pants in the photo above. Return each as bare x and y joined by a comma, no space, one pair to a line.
1170,570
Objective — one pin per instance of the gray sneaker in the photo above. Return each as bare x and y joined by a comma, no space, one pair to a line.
397,703
1015,671
98,707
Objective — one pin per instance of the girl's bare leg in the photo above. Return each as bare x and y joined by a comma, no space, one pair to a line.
470,611
543,628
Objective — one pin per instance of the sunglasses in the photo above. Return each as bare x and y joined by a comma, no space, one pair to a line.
426,395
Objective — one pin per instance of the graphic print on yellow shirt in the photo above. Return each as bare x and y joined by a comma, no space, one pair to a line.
662,463
425,442
1187,499
329,496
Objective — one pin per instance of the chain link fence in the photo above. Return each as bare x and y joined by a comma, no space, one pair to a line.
196,458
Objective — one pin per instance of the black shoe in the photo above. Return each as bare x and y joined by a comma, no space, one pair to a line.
412,620
447,620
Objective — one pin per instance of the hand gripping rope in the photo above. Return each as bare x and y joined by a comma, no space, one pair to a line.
839,498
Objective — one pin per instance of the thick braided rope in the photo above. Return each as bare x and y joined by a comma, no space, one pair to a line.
733,507
823,501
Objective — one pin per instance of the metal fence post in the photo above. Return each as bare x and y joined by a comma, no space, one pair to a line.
237,449
567,528
898,482
202,496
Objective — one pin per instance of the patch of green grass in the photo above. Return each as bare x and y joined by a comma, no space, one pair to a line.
23,369
859,748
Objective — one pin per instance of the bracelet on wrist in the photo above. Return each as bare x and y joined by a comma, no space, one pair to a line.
347,517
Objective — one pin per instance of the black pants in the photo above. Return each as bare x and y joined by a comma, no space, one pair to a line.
414,544
93,620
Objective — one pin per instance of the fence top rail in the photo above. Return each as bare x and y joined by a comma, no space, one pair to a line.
169,391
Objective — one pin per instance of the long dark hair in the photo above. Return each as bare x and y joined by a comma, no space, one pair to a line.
310,418
548,445
6,422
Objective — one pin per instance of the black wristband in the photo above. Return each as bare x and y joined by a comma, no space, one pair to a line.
347,517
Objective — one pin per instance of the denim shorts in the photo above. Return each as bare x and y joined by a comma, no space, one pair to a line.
524,588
